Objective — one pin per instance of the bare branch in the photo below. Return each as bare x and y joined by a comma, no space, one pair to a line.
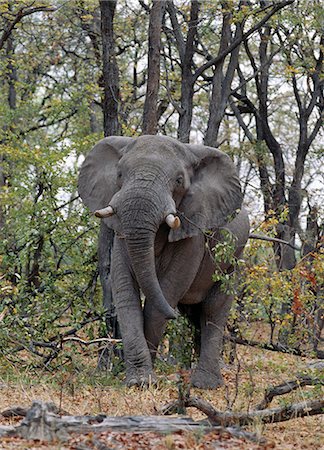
93,341
220,57
19,16
272,239
302,409
286,387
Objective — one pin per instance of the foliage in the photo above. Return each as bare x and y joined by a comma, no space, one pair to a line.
223,252
289,301
49,253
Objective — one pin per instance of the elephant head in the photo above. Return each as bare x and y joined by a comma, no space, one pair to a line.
138,185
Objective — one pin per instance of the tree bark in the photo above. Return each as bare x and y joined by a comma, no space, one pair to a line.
46,422
12,104
110,69
306,136
150,114
221,84
186,53
275,195
111,128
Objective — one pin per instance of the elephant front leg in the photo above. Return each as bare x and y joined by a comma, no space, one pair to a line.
215,309
154,328
139,371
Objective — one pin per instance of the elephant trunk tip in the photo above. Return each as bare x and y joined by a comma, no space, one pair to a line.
173,314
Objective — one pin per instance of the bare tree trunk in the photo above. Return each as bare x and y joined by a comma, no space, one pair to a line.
221,85
150,114
307,103
186,53
111,127
110,69
12,103
306,136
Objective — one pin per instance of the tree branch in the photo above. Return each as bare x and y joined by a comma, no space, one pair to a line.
286,387
19,16
241,39
272,239
281,414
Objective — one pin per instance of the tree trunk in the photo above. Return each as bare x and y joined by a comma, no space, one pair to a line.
187,79
110,69
111,128
12,103
221,86
150,114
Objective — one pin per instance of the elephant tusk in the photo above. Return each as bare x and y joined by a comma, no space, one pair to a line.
105,212
173,221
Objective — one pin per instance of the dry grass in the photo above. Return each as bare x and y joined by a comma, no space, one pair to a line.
88,393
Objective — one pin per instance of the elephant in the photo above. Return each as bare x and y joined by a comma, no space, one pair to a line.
163,198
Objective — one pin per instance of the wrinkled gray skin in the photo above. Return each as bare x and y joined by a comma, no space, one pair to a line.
144,180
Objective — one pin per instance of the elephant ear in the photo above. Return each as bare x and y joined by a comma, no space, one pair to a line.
214,196
98,174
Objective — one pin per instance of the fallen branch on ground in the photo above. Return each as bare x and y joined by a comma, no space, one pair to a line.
260,414
287,387
272,347
280,414
43,423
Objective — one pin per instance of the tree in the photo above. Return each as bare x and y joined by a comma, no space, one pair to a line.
303,63
110,69
186,51
150,114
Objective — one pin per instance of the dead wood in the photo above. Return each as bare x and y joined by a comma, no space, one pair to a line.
260,414
42,423
228,418
15,411
287,387
18,411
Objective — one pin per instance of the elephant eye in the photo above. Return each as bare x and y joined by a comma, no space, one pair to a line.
179,180
119,178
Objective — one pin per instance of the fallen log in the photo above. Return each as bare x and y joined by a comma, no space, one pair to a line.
42,423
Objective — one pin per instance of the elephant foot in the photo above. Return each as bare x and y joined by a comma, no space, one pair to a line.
204,379
142,378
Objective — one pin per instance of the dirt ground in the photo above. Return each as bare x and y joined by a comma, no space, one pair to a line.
85,392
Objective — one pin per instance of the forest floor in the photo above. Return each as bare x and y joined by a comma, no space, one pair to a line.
80,390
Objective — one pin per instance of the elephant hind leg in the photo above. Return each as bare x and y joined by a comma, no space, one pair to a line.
214,313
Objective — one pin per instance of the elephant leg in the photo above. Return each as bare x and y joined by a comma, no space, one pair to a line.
178,267
155,324
214,313
126,296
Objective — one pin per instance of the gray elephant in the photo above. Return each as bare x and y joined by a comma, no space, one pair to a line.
160,197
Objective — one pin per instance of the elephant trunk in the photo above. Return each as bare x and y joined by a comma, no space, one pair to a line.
140,225
141,252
